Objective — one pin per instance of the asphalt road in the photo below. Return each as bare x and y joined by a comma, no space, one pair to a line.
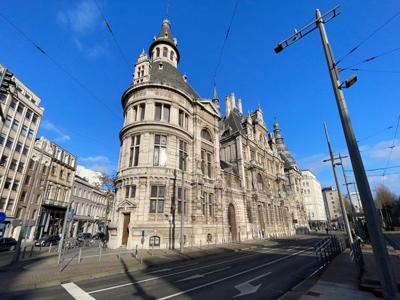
393,239
265,272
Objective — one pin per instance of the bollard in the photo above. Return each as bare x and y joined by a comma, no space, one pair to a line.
80,255
40,248
30,255
50,248
136,251
119,253
23,253
100,249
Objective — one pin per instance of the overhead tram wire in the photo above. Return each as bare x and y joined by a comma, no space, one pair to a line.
391,147
109,29
224,43
369,59
355,48
58,65
375,133
375,71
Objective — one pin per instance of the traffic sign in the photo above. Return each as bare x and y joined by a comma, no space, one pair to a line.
2,216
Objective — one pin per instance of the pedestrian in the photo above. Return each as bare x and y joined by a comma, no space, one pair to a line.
327,230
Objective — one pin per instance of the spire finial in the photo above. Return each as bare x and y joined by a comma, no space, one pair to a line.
215,94
167,9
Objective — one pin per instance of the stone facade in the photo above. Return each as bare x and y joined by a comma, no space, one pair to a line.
239,181
22,114
57,190
89,207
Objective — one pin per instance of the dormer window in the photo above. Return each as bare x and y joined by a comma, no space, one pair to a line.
165,52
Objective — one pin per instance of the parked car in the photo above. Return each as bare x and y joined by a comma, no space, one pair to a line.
84,236
99,236
7,244
51,240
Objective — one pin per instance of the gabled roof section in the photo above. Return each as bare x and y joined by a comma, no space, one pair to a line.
232,124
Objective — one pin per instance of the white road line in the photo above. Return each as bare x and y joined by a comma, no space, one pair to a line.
76,292
181,272
167,275
232,276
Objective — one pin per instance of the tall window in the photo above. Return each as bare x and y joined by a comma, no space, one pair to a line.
204,204
134,151
130,191
180,201
157,197
183,119
157,52
160,150
165,52
259,182
182,155
162,112
206,163
142,110
171,55
211,205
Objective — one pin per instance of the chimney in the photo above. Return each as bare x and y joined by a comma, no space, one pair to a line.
239,106
228,106
233,102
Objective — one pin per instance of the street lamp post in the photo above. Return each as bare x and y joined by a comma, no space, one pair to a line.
378,244
343,208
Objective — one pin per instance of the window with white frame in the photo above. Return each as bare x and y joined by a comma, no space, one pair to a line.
157,197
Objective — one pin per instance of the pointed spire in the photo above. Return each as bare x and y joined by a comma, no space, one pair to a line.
277,132
215,94
165,36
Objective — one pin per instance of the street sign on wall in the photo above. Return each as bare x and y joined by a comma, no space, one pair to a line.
2,217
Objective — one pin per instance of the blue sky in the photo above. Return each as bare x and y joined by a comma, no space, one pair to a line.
293,86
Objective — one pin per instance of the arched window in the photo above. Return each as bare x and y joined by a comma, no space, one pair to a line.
165,52
205,135
157,52
259,182
154,241
171,55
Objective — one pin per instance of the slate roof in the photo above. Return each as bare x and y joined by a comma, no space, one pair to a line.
170,75
165,36
232,124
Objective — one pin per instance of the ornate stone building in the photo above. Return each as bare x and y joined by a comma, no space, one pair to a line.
240,182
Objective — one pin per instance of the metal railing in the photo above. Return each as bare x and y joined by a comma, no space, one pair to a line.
357,255
328,248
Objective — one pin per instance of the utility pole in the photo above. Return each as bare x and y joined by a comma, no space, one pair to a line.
343,208
353,211
375,232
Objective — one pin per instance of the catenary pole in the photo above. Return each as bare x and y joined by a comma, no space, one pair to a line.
343,208
378,243
353,210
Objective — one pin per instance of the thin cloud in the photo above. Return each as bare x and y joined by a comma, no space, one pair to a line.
100,163
81,19
51,127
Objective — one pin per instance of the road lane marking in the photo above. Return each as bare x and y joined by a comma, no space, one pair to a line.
245,288
204,274
76,292
167,275
231,276
181,272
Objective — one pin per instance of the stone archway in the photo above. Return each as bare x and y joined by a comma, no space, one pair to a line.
232,222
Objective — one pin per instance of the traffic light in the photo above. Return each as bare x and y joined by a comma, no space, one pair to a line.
6,81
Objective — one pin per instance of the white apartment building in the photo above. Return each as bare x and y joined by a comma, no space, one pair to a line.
313,199
332,204
89,207
22,114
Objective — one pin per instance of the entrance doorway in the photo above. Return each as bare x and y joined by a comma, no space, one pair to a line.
232,222
125,229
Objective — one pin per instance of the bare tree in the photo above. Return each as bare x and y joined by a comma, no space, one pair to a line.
384,197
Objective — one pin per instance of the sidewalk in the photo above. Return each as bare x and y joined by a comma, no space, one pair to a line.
340,280
44,272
